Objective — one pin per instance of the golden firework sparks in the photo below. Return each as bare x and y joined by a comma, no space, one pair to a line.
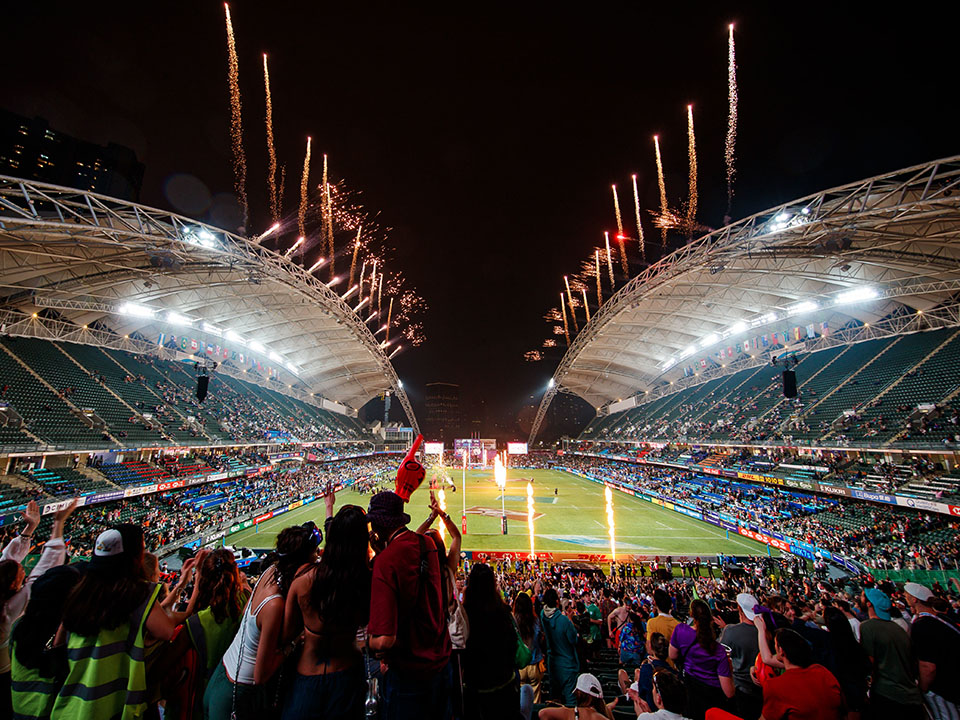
692,153
664,208
379,292
331,251
733,100
586,305
236,119
353,261
636,210
271,150
283,187
616,210
389,318
606,237
624,263
596,255
533,553
304,186
566,328
573,315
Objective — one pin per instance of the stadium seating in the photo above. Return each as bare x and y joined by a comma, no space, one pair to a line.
66,482
134,472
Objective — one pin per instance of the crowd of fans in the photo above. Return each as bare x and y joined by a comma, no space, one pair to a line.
877,536
371,617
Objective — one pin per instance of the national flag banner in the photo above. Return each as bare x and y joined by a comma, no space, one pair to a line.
730,351
737,346
703,362
224,353
764,341
811,332
687,371
796,333
194,345
825,328
163,339
241,357
209,349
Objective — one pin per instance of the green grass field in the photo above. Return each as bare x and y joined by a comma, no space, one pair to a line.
572,521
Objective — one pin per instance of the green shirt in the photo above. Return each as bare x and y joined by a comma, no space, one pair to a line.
594,612
895,667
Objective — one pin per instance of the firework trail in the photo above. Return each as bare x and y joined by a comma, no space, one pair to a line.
353,261
363,269
271,150
624,263
326,184
283,187
636,209
389,318
236,119
664,208
596,255
606,237
304,184
586,305
573,314
730,146
373,280
379,293
616,209
563,311
692,152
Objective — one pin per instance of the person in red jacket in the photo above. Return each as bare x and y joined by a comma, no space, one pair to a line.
806,690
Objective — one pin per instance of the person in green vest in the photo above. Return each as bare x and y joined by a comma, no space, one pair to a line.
36,671
563,664
111,617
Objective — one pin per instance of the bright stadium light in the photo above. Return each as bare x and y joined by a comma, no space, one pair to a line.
688,351
857,295
212,329
276,358
233,337
200,237
257,347
709,340
137,310
803,307
551,383
400,383
669,364
175,318
737,328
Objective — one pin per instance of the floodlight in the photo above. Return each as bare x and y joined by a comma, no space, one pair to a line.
857,295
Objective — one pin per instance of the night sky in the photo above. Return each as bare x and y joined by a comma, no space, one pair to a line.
488,135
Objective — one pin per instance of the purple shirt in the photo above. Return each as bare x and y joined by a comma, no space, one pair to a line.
697,662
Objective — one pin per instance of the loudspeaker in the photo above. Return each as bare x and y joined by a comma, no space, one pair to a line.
202,383
789,384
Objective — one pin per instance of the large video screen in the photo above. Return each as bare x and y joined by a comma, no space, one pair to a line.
433,448
516,448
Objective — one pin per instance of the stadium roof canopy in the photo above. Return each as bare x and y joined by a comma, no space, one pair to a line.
880,255
88,268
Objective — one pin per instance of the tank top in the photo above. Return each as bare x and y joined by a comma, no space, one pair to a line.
241,657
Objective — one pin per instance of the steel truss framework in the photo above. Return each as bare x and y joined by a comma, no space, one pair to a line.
898,233
86,254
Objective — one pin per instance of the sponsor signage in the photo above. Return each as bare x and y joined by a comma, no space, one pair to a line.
873,496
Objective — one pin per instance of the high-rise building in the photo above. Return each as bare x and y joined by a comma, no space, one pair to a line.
442,420
29,149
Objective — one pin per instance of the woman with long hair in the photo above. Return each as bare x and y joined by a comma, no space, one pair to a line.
15,584
851,664
112,616
529,628
237,688
707,670
491,689
329,602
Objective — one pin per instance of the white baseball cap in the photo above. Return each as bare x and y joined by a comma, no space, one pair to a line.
920,592
747,603
109,543
589,684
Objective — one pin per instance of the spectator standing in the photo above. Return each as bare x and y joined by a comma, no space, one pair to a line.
707,672
935,642
491,688
850,664
112,616
329,603
530,632
631,640
806,690
894,693
741,641
663,622
563,664
408,625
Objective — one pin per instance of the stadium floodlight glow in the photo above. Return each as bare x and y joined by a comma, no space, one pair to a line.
400,383
293,247
669,364
234,337
212,329
175,318
688,351
551,383
317,264
254,345
137,310
334,281
350,292
857,295
768,318
709,340
276,358
291,367
802,307
200,237
737,328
